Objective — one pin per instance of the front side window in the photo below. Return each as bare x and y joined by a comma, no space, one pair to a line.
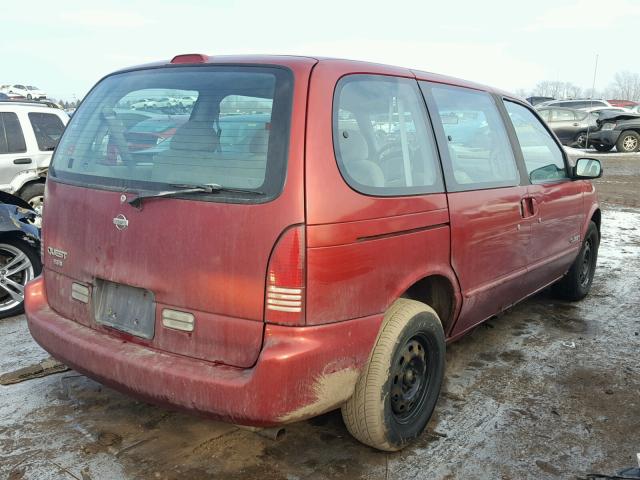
154,129
11,136
542,155
480,155
382,137
48,129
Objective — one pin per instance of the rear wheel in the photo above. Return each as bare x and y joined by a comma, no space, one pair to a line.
603,148
575,285
628,142
29,97
581,140
399,387
19,263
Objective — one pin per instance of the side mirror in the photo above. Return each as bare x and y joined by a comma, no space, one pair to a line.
587,168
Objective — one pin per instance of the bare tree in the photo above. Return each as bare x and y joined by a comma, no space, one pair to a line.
625,86
557,89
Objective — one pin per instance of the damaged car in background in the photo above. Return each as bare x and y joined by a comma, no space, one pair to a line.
19,252
620,130
569,125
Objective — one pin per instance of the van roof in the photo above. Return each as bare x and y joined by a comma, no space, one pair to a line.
362,66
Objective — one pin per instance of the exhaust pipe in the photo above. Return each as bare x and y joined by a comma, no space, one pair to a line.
272,433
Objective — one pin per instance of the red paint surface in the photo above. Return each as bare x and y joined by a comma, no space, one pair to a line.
202,257
361,254
279,384
489,242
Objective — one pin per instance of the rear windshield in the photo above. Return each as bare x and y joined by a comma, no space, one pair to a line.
153,128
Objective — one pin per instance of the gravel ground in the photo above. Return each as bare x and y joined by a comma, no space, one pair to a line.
547,390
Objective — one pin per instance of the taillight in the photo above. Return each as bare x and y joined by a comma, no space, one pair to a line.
286,278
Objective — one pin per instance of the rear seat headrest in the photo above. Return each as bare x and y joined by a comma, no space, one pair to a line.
353,146
195,136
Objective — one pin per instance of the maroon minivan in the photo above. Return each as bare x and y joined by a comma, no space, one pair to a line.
306,234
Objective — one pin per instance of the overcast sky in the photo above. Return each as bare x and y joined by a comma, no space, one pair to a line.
64,47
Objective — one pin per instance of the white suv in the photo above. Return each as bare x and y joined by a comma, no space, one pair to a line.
28,134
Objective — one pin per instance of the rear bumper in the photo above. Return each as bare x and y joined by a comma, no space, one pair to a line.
604,137
301,371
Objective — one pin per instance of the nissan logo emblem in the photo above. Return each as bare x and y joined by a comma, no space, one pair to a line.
121,222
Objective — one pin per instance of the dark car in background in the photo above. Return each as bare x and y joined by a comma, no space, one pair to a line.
19,252
620,130
569,125
538,100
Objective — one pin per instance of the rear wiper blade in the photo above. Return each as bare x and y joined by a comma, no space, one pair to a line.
182,188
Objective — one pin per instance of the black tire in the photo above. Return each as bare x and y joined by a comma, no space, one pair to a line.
388,412
29,97
581,140
32,193
575,285
34,259
603,148
628,142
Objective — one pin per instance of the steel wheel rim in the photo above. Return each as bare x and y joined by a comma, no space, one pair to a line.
410,379
585,271
629,143
15,271
581,140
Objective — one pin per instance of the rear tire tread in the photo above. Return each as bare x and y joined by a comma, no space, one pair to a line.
361,413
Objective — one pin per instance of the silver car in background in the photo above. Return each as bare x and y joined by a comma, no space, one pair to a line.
569,125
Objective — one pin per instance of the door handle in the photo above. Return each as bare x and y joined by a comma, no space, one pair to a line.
22,161
527,207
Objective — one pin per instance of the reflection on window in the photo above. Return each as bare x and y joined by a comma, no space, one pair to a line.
479,148
149,128
11,137
48,129
383,138
542,156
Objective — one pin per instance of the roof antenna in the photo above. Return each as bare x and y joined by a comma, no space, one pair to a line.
593,88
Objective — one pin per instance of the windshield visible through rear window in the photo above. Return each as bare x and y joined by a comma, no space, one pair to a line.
146,130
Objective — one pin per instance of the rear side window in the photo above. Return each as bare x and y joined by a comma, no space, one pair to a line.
478,147
48,129
154,129
382,137
563,116
542,155
11,136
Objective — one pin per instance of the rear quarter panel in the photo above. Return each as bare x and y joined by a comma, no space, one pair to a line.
363,251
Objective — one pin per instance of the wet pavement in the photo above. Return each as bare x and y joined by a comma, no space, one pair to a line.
548,390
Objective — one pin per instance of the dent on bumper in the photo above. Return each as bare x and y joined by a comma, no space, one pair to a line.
604,137
301,371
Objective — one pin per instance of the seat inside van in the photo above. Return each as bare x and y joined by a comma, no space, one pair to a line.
236,157
355,156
